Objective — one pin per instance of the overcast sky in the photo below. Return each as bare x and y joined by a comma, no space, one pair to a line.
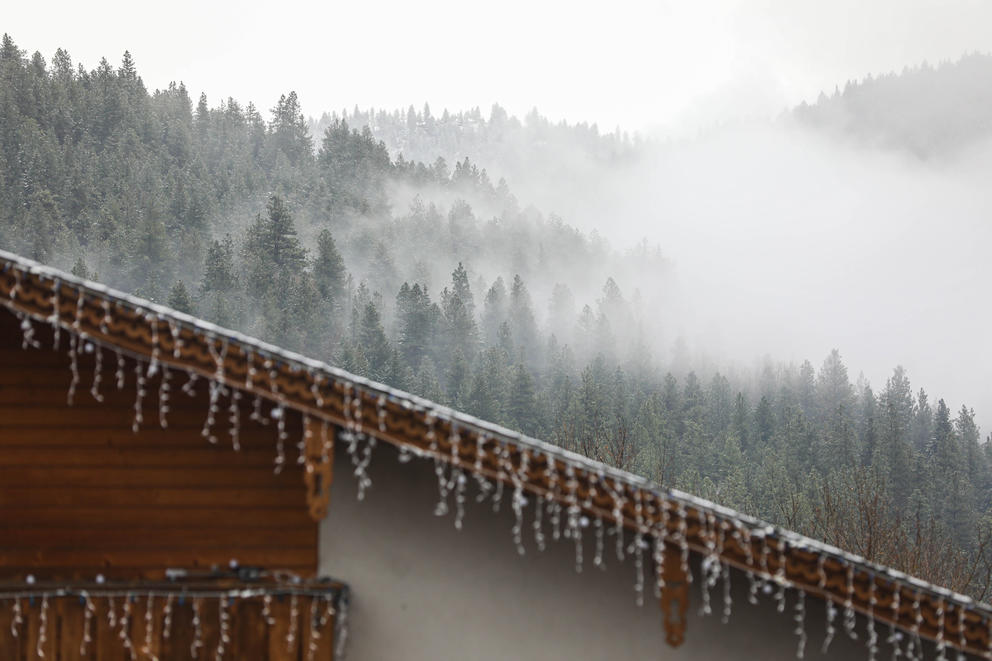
668,66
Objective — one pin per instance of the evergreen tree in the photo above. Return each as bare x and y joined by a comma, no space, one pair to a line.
328,271
179,298
522,408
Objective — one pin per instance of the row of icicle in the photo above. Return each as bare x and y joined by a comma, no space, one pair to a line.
360,445
319,616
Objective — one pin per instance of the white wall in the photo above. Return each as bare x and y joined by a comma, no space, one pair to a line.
423,590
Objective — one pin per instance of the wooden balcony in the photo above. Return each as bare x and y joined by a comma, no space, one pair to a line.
263,619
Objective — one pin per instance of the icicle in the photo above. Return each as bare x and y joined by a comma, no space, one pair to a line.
872,634
780,577
89,610
250,370
752,575
800,619
167,617
638,549
163,397
139,396
962,640
17,283
484,486
683,542
500,476
551,497
318,399
267,610
16,620
831,609
600,533
850,617
660,543
618,505
278,414
146,649
153,326
941,642
27,337
224,626
766,586
305,441
362,463
405,455
538,524
74,348
352,434
518,477
97,374
590,506
294,617
106,319
457,476
326,442
460,482
194,647
711,563
177,340
341,630
256,411
111,613
73,366
56,315
234,419
119,374
573,530
894,634
914,648
380,412
43,628
728,601
314,633
317,624
125,626
216,389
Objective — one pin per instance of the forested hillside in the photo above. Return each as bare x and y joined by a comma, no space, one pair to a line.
931,111
429,276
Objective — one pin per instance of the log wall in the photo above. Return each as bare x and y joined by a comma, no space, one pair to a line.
81,494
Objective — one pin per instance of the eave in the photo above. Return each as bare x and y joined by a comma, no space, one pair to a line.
676,521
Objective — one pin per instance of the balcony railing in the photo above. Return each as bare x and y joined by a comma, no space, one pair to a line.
244,618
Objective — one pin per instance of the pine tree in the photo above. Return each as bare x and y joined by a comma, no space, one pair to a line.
373,342
179,298
329,271
494,311
272,250
522,403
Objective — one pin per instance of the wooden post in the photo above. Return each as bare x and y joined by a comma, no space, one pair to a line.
674,596
319,467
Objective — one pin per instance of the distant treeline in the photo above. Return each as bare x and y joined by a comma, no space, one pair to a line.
931,111
242,220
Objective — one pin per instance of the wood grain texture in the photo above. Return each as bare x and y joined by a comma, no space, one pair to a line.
81,494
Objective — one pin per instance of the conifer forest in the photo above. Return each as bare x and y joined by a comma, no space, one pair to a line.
406,246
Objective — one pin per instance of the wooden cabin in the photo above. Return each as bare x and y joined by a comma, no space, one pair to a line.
174,490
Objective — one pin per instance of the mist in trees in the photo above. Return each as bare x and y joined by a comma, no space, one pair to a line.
369,240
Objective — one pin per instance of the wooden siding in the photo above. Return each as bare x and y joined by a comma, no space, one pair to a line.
81,494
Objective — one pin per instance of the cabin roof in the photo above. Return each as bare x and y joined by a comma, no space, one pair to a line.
460,442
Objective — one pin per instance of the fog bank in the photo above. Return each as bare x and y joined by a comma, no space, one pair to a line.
789,243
